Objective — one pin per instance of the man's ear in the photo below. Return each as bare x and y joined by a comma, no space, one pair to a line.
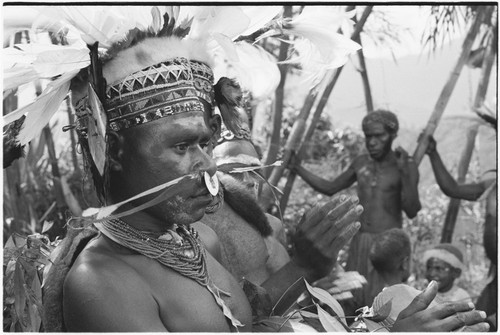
405,264
456,272
215,124
115,150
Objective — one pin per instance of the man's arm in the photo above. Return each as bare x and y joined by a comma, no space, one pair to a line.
343,181
101,301
410,200
320,235
447,183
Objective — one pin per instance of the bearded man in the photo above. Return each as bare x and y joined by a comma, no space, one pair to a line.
144,123
148,269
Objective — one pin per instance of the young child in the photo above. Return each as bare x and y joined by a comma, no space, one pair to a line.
444,264
390,257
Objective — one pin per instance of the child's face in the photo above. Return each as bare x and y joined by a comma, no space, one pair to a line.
443,273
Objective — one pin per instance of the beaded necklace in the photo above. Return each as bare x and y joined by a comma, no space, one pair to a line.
179,249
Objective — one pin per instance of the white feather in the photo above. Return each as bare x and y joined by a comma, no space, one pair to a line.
40,112
259,16
255,69
227,20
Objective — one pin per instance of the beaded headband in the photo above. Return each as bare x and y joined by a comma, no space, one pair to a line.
168,88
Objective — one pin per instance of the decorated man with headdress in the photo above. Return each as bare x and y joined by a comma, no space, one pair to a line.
145,102
387,185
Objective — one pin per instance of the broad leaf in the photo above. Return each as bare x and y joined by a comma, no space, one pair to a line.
373,326
273,324
330,323
325,297
46,226
19,293
383,312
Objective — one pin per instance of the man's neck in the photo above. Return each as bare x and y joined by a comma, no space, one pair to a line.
385,158
144,221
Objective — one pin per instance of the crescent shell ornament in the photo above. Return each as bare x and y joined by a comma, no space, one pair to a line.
212,183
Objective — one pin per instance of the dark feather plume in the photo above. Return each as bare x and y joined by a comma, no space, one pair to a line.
12,150
229,98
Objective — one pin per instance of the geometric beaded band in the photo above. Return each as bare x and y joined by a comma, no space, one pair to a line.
168,88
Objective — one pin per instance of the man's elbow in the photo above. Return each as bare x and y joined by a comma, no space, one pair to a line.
412,211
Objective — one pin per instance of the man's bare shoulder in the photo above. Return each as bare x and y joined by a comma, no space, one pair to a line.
360,161
103,286
97,269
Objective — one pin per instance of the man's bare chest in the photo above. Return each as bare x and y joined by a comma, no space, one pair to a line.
379,178
185,305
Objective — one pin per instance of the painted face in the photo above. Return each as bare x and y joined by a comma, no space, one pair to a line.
443,273
378,140
160,151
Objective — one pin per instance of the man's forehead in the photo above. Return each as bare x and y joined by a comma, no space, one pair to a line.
437,261
374,127
173,126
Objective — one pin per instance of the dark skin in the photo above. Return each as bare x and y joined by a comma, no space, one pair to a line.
443,273
111,288
444,317
447,184
387,181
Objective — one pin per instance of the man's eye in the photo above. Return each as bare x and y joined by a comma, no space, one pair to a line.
182,147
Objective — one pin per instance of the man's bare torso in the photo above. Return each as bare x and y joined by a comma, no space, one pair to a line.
244,252
379,192
177,303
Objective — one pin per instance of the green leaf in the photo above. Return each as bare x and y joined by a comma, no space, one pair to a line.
307,314
46,226
273,324
383,312
330,323
326,298
19,294
373,326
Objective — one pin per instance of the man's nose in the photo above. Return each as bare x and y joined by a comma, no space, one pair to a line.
207,163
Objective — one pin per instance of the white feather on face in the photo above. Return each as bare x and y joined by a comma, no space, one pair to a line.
153,51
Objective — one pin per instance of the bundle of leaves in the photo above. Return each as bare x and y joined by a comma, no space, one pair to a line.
24,261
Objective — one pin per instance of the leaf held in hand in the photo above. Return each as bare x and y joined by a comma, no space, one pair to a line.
325,297
383,312
330,323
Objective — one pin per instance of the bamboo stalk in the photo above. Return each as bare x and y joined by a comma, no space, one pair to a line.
447,90
316,116
463,166
273,149
363,70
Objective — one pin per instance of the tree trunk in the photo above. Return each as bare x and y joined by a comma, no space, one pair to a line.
463,166
454,206
274,144
362,70
278,172
450,85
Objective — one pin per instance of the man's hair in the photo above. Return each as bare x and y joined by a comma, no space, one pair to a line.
389,249
387,118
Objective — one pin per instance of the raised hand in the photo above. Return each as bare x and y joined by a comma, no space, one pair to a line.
451,316
402,158
323,231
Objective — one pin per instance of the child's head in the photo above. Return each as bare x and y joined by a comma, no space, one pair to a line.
444,264
390,253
